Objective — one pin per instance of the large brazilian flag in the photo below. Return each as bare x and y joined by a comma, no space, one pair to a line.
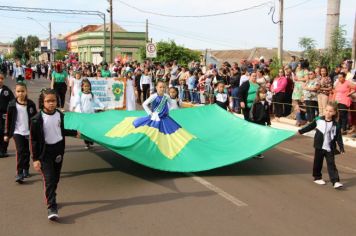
209,138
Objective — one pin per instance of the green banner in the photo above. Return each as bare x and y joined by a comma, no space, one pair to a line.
209,138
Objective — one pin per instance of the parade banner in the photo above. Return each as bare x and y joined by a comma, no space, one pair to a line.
110,91
210,137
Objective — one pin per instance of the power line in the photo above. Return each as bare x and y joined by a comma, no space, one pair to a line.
268,3
297,5
193,37
203,37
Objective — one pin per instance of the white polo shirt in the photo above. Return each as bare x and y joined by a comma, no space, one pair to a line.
22,124
52,127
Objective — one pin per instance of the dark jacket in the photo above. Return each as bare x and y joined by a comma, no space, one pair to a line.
243,92
235,80
6,96
259,113
12,116
37,138
319,134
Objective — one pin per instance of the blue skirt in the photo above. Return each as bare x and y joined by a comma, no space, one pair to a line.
166,124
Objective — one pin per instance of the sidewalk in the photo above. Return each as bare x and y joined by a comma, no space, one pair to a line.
289,124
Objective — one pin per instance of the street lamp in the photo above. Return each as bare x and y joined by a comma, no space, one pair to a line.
49,29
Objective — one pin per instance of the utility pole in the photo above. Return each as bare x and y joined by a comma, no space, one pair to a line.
146,30
332,20
51,59
354,45
104,52
280,37
111,34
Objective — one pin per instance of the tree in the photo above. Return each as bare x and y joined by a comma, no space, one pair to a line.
310,52
60,55
32,42
170,51
340,48
307,43
19,47
274,67
23,48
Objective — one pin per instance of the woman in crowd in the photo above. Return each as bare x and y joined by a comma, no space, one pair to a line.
310,89
299,79
278,89
324,90
59,84
343,90
247,94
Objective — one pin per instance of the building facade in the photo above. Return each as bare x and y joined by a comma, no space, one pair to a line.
88,42
6,48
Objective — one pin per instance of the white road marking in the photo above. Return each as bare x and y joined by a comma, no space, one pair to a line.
310,157
217,190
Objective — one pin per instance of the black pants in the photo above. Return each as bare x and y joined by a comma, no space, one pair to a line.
312,109
278,98
22,153
145,91
343,111
246,112
51,166
88,142
139,92
288,100
3,144
330,161
61,90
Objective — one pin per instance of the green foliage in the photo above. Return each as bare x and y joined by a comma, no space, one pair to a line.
23,48
310,52
274,67
60,55
307,44
32,42
19,47
340,48
170,51
9,56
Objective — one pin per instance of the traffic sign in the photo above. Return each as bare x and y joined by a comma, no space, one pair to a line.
151,50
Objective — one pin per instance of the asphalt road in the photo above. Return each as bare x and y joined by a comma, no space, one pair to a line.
103,193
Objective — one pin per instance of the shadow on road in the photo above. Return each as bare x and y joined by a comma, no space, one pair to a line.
110,205
275,163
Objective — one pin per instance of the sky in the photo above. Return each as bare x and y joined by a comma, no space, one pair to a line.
243,30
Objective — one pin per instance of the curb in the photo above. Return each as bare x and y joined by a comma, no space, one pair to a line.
289,124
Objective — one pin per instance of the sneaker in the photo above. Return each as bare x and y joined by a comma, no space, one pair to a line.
19,179
320,181
3,155
338,185
26,174
86,147
53,214
260,156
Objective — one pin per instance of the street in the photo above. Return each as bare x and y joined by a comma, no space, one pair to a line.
103,193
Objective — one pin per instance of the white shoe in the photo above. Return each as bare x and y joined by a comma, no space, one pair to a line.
320,181
259,156
338,185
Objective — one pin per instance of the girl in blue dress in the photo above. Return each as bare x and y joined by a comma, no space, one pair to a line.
158,112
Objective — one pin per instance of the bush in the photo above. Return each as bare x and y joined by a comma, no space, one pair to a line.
170,51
